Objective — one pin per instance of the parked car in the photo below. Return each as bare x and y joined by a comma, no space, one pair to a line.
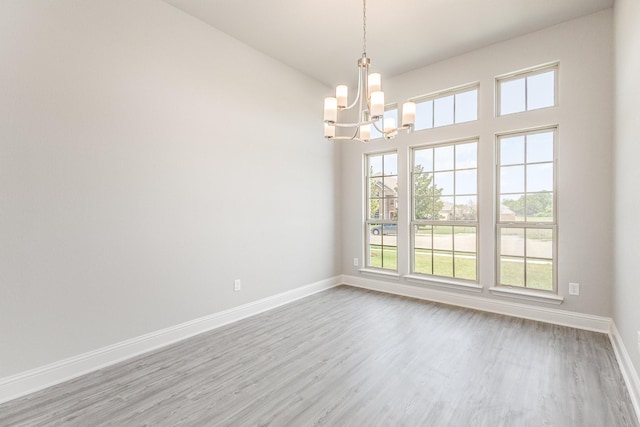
386,229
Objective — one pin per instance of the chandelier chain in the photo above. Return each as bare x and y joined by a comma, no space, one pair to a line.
364,27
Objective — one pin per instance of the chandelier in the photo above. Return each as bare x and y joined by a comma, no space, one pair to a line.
370,102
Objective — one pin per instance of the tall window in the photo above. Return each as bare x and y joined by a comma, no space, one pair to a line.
526,218
445,210
529,90
446,108
382,210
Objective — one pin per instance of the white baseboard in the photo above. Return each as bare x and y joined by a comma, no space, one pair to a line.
542,314
37,379
626,366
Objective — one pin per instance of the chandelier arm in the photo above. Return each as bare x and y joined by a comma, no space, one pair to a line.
377,128
369,107
358,95
351,125
347,138
403,127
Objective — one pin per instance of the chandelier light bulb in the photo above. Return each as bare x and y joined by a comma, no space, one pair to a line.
330,109
408,113
342,93
389,124
375,83
365,132
377,104
329,131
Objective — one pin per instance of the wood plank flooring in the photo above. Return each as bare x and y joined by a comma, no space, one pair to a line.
352,357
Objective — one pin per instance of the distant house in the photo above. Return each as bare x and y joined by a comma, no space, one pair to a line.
388,192
507,214
468,212
447,211
450,212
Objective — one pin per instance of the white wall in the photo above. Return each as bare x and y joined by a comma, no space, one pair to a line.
626,295
584,49
146,161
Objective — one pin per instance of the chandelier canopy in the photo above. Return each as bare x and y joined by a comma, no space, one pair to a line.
370,102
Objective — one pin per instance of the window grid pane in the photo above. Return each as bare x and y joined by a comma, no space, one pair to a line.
527,257
541,90
466,106
444,224
382,211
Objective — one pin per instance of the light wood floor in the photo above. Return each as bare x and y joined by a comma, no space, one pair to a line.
353,357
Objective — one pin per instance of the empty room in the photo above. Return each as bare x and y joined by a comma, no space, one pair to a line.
337,213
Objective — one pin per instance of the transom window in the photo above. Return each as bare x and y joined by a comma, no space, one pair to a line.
526,218
529,90
445,210
382,210
446,108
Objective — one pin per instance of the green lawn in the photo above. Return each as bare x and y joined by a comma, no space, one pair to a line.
539,273
387,258
443,262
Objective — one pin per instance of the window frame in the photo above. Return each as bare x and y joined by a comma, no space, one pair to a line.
447,223
524,74
524,224
443,94
368,222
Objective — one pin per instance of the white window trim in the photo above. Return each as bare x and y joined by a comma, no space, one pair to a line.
446,92
367,222
436,279
524,292
443,94
441,282
380,272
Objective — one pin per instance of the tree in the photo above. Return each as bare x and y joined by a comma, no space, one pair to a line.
427,197
375,190
537,205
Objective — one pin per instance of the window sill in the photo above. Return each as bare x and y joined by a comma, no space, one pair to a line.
451,284
527,295
375,272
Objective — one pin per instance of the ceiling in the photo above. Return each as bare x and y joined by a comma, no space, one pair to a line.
323,38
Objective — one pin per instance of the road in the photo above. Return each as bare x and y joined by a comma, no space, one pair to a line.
466,242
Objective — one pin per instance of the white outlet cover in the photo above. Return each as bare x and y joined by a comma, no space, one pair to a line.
574,288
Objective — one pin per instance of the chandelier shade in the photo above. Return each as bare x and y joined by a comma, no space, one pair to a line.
370,102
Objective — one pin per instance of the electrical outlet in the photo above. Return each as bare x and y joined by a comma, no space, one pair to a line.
574,288
237,285
355,262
